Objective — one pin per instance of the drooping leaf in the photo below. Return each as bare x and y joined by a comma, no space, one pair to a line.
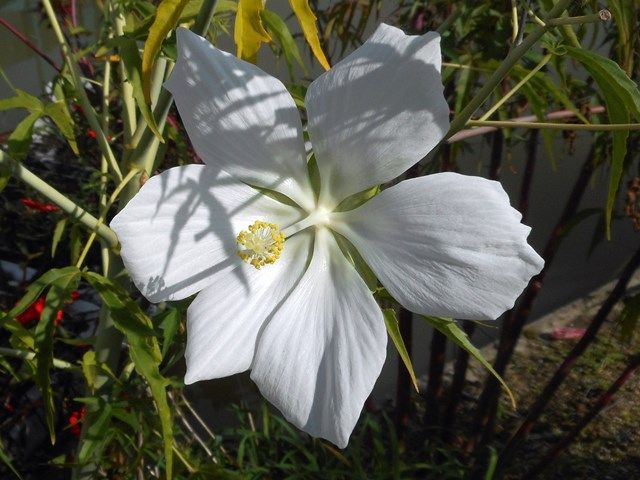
248,31
143,349
132,62
59,293
307,20
622,99
450,329
278,28
393,328
167,16
20,139
58,112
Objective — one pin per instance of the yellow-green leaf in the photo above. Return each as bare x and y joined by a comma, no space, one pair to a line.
166,18
58,112
307,21
248,32
393,328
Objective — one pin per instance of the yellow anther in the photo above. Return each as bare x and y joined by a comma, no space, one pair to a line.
261,244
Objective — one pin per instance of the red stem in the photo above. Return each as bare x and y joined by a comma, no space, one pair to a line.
24,39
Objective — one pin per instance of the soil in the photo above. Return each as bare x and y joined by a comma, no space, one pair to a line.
609,447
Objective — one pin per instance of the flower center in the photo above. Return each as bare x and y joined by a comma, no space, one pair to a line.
261,244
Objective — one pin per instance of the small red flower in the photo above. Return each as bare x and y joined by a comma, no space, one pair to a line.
33,313
8,406
75,419
91,133
39,206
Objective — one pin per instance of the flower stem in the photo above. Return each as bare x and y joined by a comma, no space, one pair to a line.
89,112
517,87
103,213
67,205
23,354
511,59
593,127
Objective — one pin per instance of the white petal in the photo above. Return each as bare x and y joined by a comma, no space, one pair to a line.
180,229
239,118
445,245
321,353
225,318
377,112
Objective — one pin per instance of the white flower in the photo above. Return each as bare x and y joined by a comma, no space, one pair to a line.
305,324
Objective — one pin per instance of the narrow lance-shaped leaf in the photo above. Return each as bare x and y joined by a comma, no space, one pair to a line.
59,293
167,15
143,348
248,31
307,21
130,56
622,99
393,328
450,329
278,28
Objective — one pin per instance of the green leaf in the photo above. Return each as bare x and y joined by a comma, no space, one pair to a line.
22,100
143,348
57,235
130,55
248,31
59,293
629,316
57,111
169,321
7,461
20,139
307,21
393,328
7,169
622,99
450,329
278,28
90,368
95,434
167,16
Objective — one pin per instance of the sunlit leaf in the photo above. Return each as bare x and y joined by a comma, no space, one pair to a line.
57,111
278,28
22,100
393,328
130,56
167,16
248,32
307,21
57,235
450,329
143,348
622,99
20,139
